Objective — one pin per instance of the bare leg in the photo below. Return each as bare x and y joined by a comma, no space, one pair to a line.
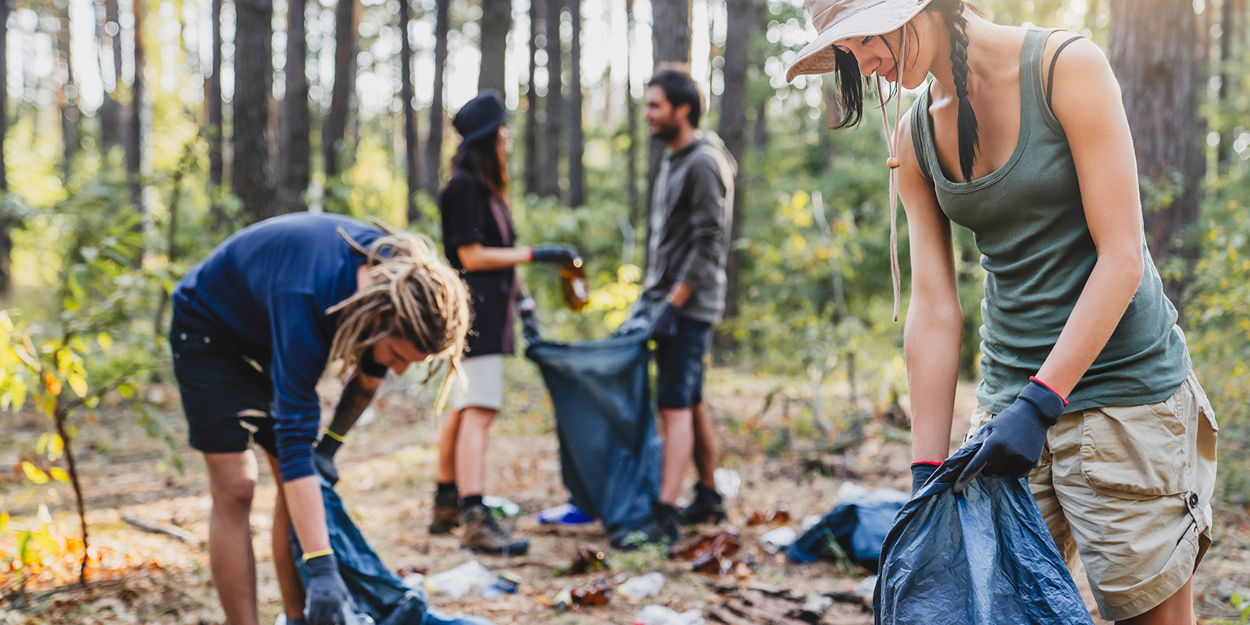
232,482
705,451
678,448
289,584
447,448
1175,610
471,450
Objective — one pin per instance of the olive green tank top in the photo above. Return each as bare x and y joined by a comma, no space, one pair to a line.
1029,225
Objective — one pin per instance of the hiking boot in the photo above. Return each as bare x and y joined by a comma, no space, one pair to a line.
446,513
660,527
707,507
482,534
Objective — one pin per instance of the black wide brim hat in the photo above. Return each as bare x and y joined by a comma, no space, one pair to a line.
480,116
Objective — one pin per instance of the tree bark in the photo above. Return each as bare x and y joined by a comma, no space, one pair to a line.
108,36
411,175
553,126
631,123
532,156
1156,60
134,119
1232,12
577,136
670,45
295,124
496,22
216,130
253,76
6,223
733,128
434,141
335,128
67,96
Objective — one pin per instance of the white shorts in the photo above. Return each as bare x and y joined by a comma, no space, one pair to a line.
483,383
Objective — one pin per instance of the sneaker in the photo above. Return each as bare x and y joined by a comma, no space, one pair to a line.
707,507
446,513
660,527
482,534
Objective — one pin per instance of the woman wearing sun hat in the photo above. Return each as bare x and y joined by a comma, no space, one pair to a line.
1086,385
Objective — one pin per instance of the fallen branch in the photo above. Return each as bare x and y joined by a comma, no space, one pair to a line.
172,531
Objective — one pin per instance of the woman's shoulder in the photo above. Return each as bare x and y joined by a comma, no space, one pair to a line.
462,184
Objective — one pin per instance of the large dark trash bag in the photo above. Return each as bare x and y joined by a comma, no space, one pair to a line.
375,590
609,449
983,557
857,527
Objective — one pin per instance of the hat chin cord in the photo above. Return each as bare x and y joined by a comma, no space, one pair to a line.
891,142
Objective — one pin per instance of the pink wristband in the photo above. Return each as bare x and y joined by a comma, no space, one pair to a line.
929,462
1034,378
531,259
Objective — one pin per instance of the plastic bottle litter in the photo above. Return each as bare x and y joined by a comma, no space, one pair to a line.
564,514
809,521
461,580
777,539
505,584
660,615
588,558
642,586
413,580
728,482
501,508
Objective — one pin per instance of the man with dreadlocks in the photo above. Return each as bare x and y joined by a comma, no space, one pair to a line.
254,327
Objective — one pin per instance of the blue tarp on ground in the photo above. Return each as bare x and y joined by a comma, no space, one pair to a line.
982,557
857,527
610,451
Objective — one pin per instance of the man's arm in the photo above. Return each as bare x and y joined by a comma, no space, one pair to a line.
357,394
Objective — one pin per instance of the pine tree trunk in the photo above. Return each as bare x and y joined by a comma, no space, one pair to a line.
496,22
577,134
109,107
434,141
411,163
134,117
670,45
553,125
631,123
733,121
67,98
253,76
295,125
216,129
532,155
1232,13
1153,50
335,128
6,239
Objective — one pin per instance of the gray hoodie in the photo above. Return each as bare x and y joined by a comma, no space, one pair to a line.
691,213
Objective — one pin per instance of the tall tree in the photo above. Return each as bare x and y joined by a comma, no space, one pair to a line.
335,127
216,129
496,22
733,120
295,125
134,116
532,155
670,45
253,80
6,223
67,92
411,174
553,126
631,121
1155,55
1232,16
577,135
108,38
434,140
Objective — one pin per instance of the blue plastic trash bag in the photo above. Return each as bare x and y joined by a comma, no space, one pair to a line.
376,592
982,557
856,527
609,449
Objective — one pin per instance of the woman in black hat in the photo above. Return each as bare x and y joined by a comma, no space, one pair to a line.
479,240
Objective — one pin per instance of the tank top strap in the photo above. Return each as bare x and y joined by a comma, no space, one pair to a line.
1032,91
922,134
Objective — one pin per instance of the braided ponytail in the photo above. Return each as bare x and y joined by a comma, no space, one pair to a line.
957,27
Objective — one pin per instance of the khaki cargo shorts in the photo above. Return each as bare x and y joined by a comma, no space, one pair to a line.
1129,490
483,383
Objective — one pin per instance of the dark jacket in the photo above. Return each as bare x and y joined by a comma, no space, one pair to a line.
691,213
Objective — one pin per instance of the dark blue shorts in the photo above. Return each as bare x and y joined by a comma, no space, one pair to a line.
227,398
679,360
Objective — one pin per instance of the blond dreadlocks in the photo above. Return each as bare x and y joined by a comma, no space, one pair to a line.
413,294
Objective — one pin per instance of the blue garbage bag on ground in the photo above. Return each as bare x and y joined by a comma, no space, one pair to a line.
375,590
982,557
855,528
610,451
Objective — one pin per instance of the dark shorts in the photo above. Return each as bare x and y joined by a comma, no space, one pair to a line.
679,383
227,398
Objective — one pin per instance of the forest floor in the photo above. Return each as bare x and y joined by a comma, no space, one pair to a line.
388,470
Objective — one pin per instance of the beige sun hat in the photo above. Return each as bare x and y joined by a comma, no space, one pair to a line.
836,20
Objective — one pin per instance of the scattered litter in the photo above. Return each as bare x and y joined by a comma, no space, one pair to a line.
853,530
564,514
592,595
720,543
413,580
809,521
779,515
461,580
588,558
728,482
777,539
850,490
563,600
501,508
660,615
866,587
642,586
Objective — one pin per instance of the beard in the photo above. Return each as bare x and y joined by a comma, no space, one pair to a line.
667,131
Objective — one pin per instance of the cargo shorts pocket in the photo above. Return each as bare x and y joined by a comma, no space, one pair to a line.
1139,452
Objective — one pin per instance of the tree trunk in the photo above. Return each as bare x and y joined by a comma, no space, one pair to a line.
411,175
532,155
631,123
335,127
1232,13
67,96
253,76
216,130
6,240
577,136
134,118
434,141
108,34
295,124
1154,54
496,22
670,45
553,126
733,122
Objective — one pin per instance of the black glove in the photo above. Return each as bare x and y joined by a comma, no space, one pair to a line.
1012,442
920,473
664,324
328,602
323,459
554,253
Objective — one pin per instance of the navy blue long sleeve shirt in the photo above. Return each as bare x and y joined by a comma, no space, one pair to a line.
264,292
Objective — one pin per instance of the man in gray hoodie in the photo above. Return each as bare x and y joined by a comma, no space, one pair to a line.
691,212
